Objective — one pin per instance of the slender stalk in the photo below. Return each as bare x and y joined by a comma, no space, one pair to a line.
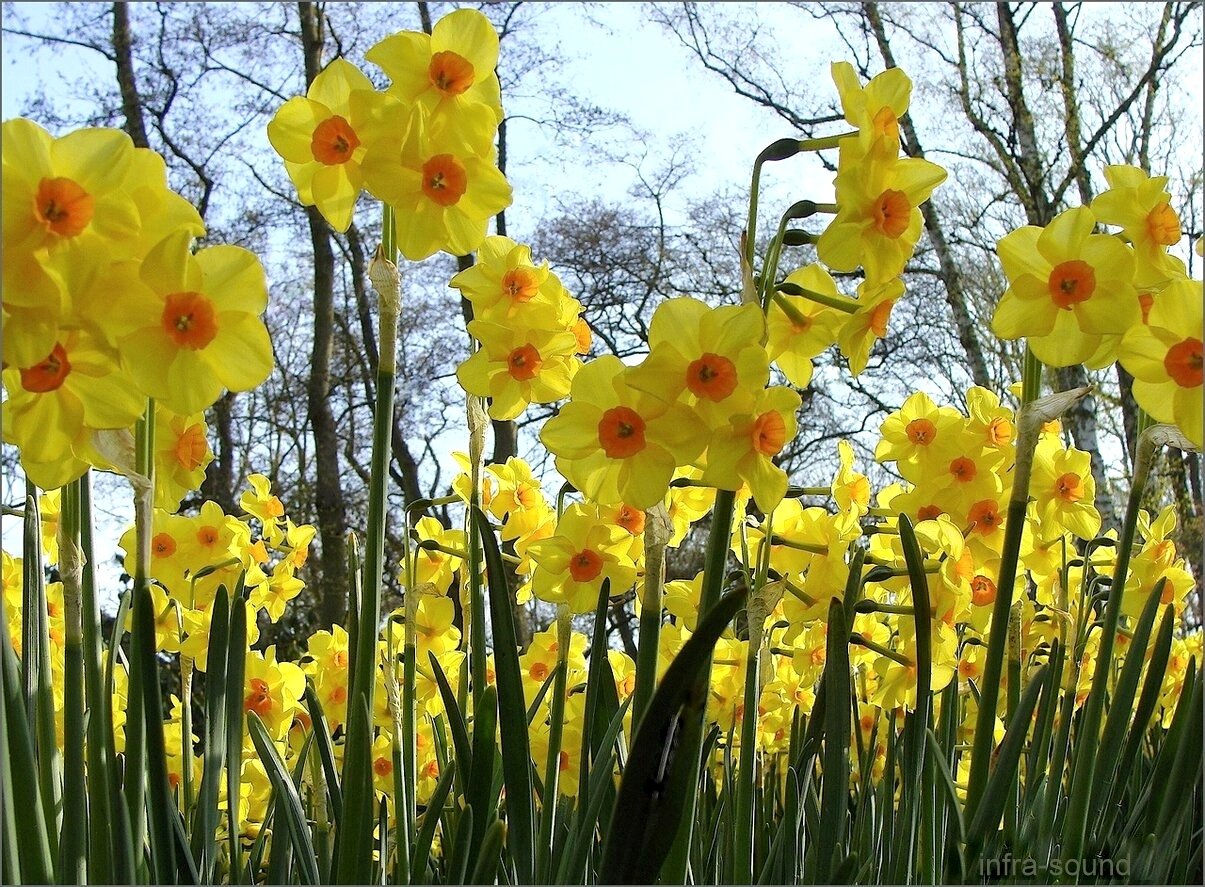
103,786
840,303
73,844
1030,419
674,869
656,535
478,421
354,848
1088,737
35,659
552,763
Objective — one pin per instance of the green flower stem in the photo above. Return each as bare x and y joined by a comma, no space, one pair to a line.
73,845
674,869
866,642
825,143
186,678
649,640
840,303
871,606
1030,419
355,838
1088,737
761,602
478,422
552,763
101,772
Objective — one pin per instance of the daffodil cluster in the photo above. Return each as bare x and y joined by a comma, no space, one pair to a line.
424,146
105,304
528,328
1083,297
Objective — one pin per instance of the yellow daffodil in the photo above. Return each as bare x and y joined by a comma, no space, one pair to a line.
869,323
878,221
322,138
505,284
800,329
876,108
1164,356
1140,205
708,356
743,451
181,455
443,190
618,444
194,329
54,405
1068,288
449,73
572,564
515,367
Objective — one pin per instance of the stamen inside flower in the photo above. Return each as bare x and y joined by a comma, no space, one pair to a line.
983,591
921,432
444,180
1183,363
891,213
63,206
524,363
769,433
520,284
1069,487
450,73
49,374
259,700
585,566
334,141
1071,282
963,469
712,376
631,519
1163,225
191,447
879,316
163,545
985,516
189,319
621,432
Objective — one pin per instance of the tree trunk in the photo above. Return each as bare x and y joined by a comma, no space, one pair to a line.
131,102
328,490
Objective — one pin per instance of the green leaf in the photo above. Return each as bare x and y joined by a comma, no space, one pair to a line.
458,859
658,776
326,752
455,718
487,856
287,799
1004,774
20,785
516,752
834,798
1121,705
205,816
917,721
426,831
481,777
236,667
572,868
160,796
